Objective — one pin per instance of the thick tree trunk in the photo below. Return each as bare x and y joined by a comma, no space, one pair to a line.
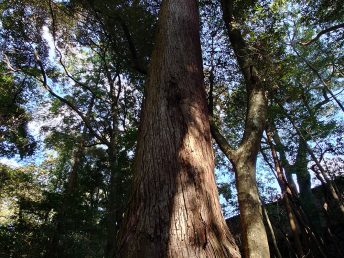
255,240
175,211
251,216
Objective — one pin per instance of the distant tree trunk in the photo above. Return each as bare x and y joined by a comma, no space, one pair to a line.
283,158
174,210
297,214
272,232
294,226
55,249
303,176
330,186
77,156
115,207
307,198
327,184
113,212
255,240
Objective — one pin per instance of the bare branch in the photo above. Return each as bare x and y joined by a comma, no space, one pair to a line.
9,65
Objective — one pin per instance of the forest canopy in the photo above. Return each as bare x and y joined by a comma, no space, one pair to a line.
144,128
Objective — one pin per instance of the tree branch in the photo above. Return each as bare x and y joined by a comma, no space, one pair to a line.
68,103
138,66
221,141
70,76
316,72
333,28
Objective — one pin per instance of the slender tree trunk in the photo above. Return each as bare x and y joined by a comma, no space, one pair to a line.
283,158
255,241
174,210
312,242
114,207
272,232
284,189
251,216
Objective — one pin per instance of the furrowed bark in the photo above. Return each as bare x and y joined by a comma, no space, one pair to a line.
174,210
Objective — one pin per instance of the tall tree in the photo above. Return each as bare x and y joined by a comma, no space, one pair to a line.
175,211
255,241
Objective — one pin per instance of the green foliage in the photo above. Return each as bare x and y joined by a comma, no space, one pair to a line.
14,135
94,55
22,212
